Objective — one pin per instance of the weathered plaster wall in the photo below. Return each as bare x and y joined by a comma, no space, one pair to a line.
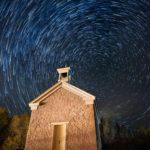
62,106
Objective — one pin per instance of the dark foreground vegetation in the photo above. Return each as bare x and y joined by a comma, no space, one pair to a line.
13,130
114,137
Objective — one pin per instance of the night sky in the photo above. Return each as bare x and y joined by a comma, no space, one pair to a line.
105,42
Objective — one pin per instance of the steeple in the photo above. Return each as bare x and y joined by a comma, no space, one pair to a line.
64,74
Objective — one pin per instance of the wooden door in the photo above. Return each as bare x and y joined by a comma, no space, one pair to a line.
59,137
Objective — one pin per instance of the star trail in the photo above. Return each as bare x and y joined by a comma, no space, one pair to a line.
105,42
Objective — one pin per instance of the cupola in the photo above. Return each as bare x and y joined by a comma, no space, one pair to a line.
64,74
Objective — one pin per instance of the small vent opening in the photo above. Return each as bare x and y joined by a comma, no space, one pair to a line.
64,75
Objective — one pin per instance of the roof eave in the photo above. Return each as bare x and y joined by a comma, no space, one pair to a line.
88,98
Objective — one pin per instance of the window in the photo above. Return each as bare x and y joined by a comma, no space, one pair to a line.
64,75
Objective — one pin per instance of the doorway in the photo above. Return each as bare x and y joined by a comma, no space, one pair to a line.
59,137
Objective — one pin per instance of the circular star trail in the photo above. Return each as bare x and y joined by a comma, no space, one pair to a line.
105,42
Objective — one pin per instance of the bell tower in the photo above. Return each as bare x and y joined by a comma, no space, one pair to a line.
64,74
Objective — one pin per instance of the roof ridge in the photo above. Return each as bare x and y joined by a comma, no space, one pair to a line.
88,98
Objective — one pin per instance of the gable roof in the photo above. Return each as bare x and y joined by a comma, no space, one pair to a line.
88,98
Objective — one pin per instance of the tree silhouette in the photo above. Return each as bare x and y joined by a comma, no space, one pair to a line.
16,133
4,121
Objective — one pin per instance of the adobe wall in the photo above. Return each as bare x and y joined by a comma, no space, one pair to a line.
62,106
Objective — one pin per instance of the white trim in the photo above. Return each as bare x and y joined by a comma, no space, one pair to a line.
62,70
33,106
59,123
88,98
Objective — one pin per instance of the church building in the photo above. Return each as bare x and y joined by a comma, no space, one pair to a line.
64,118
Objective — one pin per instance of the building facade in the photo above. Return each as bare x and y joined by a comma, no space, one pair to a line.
63,118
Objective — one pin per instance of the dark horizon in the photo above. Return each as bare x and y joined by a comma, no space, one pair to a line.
106,44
